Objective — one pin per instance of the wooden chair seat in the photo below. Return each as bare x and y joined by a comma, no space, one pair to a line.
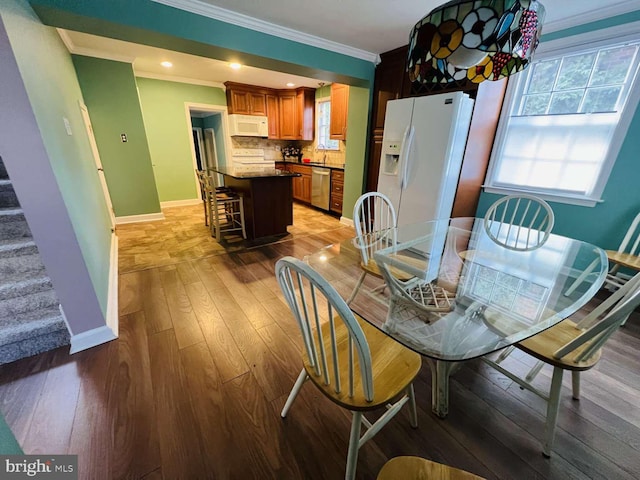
416,468
543,345
372,267
624,259
393,365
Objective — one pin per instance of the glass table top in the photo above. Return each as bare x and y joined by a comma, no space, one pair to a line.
448,291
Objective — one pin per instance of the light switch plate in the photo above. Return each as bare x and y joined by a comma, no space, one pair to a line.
67,126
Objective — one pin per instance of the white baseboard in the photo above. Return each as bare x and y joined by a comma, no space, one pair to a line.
180,203
108,332
147,217
91,338
346,221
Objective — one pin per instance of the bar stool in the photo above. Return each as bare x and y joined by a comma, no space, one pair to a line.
225,210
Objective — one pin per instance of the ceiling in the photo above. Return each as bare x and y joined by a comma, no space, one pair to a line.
381,25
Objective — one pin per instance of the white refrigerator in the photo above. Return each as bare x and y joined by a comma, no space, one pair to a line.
423,145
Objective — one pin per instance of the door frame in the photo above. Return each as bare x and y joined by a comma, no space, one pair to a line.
86,120
227,146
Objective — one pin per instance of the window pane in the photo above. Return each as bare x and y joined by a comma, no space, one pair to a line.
536,104
601,99
613,65
575,71
544,76
565,102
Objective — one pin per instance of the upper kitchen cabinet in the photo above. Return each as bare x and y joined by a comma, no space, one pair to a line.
339,111
273,115
246,99
297,113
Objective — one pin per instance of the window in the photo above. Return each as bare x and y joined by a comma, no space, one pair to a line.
566,119
323,114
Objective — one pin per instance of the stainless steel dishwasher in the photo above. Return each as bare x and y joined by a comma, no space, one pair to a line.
320,187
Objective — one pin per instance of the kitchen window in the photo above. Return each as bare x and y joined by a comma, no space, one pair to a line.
566,116
323,114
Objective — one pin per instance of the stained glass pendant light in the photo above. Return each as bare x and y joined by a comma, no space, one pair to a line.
476,40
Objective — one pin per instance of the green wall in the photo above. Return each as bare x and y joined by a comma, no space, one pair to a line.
197,122
606,223
54,92
169,133
356,144
111,96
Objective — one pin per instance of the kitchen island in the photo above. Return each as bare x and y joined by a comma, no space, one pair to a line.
267,197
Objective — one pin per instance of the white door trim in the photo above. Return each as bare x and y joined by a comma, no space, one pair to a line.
84,111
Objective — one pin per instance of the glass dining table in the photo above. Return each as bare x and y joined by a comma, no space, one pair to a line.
448,291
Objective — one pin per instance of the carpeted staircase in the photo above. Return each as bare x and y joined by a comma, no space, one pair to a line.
30,318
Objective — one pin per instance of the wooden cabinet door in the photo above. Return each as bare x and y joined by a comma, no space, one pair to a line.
239,102
306,113
288,116
306,188
273,116
258,103
339,111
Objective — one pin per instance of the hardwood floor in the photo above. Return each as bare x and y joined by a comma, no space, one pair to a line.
208,352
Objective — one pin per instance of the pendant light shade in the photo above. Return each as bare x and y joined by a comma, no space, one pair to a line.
474,40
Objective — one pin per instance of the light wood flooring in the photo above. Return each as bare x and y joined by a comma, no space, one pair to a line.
208,352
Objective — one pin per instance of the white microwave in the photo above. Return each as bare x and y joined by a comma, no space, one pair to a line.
248,125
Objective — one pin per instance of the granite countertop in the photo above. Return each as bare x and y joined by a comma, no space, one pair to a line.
315,164
265,173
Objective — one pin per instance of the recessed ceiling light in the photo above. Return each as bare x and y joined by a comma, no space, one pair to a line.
166,64
291,84
235,66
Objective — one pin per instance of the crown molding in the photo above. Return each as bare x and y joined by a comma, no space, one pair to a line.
211,11
90,52
175,78
606,11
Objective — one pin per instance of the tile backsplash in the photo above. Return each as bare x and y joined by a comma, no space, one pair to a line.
272,149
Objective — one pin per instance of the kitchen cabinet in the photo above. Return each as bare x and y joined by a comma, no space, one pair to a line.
301,184
297,113
339,111
273,115
337,191
246,99
290,113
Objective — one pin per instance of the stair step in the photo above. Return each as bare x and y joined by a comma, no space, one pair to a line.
13,224
24,284
15,247
22,264
33,338
8,197
24,325
11,307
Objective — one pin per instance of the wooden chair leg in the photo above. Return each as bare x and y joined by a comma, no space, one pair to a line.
413,418
575,384
535,370
357,287
552,410
354,446
294,392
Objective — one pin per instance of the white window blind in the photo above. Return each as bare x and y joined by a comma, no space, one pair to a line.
561,129
323,114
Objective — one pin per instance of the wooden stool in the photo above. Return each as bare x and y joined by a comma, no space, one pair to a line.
416,468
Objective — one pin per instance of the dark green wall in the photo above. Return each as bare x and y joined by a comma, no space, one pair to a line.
111,96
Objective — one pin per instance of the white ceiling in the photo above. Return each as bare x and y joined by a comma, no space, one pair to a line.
366,27
381,25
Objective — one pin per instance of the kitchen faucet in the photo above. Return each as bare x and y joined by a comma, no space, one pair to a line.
324,153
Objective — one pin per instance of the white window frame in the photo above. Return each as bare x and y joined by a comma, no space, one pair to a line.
601,38
333,145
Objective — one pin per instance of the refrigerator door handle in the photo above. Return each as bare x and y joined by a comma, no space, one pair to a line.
405,150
